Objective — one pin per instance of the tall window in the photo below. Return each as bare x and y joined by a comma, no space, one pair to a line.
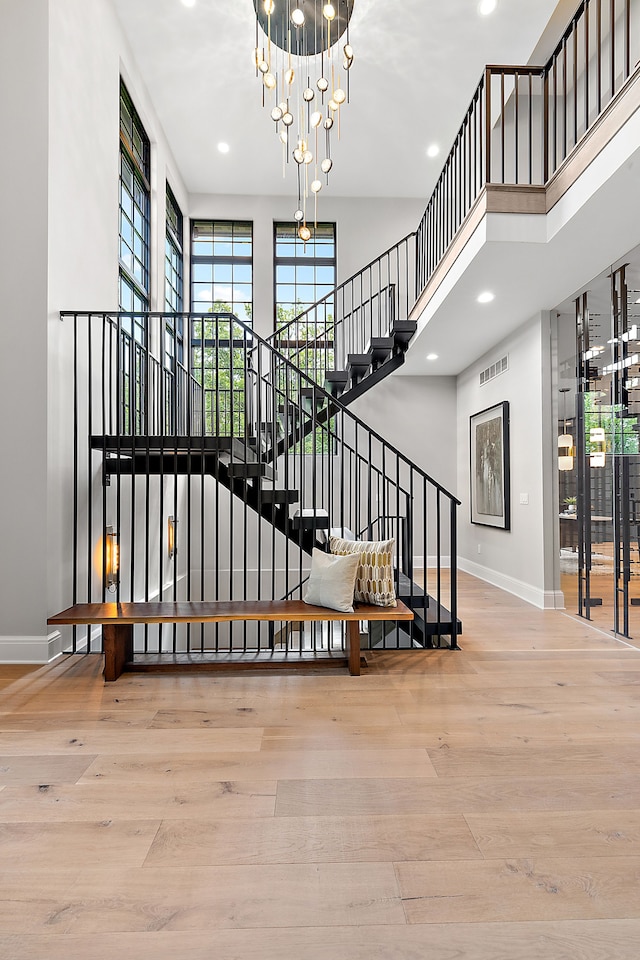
173,282
221,283
305,273
134,224
135,205
222,268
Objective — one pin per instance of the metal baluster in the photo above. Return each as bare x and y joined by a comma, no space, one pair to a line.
599,54
487,131
516,94
502,122
612,31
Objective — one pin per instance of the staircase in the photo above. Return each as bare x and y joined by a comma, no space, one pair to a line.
260,464
358,334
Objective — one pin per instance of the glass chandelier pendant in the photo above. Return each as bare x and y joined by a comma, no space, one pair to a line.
566,452
598,442
303,58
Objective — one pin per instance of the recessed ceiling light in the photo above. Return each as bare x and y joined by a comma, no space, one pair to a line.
432,356
433,150
485,7
189,3
486,297
223,147
638,300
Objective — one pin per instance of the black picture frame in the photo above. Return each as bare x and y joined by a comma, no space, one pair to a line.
490,467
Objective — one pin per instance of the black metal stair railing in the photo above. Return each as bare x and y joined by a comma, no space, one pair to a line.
523,122
359,331
216,479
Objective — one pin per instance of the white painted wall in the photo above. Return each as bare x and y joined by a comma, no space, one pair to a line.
517,560
24,63
417,415
88,55
59,250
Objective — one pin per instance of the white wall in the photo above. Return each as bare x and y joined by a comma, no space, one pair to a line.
518,560
365,229
88,55
59,250
417,415
23,293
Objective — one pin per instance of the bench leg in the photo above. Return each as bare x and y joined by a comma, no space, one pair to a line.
354,647
117,640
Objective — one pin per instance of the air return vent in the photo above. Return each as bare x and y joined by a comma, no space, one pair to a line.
494,370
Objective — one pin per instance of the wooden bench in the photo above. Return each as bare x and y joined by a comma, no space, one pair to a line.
118,619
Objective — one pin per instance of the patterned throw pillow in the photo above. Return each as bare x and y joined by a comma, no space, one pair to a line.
374,578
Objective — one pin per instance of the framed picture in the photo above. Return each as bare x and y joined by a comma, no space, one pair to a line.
490,496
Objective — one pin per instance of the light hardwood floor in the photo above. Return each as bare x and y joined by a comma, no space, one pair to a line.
478,805
603,587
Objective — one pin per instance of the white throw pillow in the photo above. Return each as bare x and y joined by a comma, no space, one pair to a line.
374,578
331,581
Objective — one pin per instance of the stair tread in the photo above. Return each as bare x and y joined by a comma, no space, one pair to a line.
310,520
388,362
182,444
278,495
403,326
358,360
379,348
336,382
403,331
246,468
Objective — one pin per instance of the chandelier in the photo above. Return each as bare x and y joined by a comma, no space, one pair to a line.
305,83
565,440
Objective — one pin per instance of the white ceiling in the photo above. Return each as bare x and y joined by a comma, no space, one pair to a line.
416,68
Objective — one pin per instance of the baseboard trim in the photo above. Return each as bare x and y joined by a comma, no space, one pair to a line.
543,599
31,649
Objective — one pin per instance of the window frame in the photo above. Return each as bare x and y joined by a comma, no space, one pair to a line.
139,163
174,304
320,444
229,417
220,260
311,261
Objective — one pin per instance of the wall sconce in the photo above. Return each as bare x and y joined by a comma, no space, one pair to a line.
566,450
597,439
112,559
172,537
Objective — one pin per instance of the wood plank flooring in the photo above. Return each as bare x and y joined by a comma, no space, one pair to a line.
477,805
